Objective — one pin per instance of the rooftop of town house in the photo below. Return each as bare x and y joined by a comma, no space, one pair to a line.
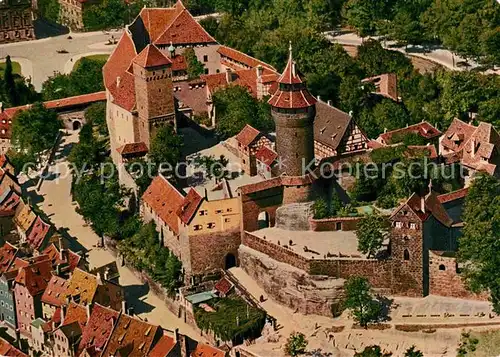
385,84
6,349
69,257
423,129
163,347
204,350
7,256
82,286
54,292
35,277
226,188
76,313
39,231
107,271
340,244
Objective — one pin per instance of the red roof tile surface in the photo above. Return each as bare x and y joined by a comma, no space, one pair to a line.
457,135
452,196
179,63
39,231
266,155
204,350
156,19
424,129
76,100
431,206
224,286
99,328
7,256
151,57
54,292
163,347
6,349
184,29
35,277
247,135
131,336
385,85
189,206
133,148
119,61
76,313
165,200
242,58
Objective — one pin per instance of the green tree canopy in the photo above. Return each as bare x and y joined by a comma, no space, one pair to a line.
360,301
479,251
296,344
372,351
194,67
371,232
235,107
34,130
165,147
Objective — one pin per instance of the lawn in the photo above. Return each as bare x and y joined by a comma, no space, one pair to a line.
93,57
16,68
489,343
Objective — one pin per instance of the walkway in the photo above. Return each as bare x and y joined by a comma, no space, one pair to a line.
441,56
57,204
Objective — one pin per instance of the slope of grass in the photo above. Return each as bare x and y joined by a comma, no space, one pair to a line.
16,68
93,57
489,343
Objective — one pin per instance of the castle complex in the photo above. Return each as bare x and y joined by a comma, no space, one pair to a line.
260,216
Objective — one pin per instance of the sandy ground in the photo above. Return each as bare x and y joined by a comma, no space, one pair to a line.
55,201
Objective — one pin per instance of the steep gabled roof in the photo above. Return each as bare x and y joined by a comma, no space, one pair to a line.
423,129
163,347
247,135
151,57
83,285
165,200
39,231
240,57
54,292
184,29
6,349
131,335
7,256
35,277
76,313
189,206
119,61
204,350
99,328
156,19
330,125
266,155
457,135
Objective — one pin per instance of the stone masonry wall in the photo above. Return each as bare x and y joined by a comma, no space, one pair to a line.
330,224
445,281
294,217
290,286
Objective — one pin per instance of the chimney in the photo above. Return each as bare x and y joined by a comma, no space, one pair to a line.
260,71
118,80
88,311
329,102
229,75
176,335
473,148
319,98
63,313
385,130
106,274
1,107
124,307
422,204
61,243
18,338
206,194
294,69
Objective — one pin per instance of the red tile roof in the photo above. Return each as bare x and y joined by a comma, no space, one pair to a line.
179,63
266,155
204,350
163,347
223,286
247,135
385,84
6,349
189,206
432,206
156,19
165,200
184,29
119,61
76,313
99,328
11,202
151,57
54,292
424,129
39,231
35,277
76,100
131,335
457,135
133,148
69,257
242,58
261,186
7,256
291,99
452,196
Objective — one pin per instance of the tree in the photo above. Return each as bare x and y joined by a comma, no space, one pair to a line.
10,84
296,344
371,232
105,15
479,251
96,115
210,24
320,209
235,107
362,15
361,303
165,149
194,67
413,352
213,168
375,60
49,9
372,351
34,130
335,203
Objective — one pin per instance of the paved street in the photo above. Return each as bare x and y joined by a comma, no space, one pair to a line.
39,59
56,202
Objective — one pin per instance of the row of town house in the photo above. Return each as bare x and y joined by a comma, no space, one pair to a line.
49,297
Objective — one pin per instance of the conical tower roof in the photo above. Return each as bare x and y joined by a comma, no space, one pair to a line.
292,92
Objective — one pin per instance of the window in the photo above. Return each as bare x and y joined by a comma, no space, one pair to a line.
413,226
442,267
206,70
197,227
205,58
203,212
211,225
227,220
406,254
229,210
399,224
219,211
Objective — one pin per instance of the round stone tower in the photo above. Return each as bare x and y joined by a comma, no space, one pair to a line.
293,109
